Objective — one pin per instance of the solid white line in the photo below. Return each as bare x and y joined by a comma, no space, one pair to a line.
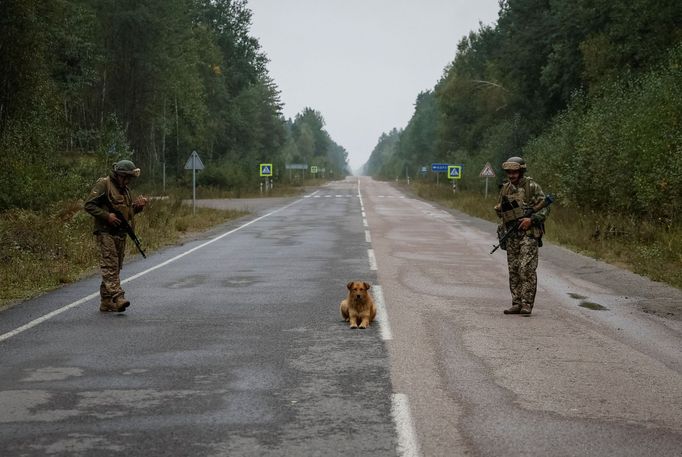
407,437
368,237
382,315
40,320
56,312
372,260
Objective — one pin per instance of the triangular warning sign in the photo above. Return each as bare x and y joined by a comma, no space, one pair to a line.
487,171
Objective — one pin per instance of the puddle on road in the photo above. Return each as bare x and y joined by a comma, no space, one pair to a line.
576,296
239,281
593,306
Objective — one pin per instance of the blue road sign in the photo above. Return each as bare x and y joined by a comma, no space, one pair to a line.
439,167
266,169
455,172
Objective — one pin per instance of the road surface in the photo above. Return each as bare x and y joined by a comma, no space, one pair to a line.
234,346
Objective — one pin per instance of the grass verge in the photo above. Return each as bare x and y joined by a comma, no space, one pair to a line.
646,247
40,251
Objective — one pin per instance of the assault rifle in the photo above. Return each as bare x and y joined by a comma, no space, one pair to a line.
548,200
125,225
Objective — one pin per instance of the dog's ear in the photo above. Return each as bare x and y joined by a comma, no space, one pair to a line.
349,286
367,286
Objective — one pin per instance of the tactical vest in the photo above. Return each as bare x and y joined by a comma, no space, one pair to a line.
514,201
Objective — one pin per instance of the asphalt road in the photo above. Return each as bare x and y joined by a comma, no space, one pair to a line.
234,346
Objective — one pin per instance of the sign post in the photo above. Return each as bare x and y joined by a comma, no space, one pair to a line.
194,163
454,172
439,168
266,172
486,173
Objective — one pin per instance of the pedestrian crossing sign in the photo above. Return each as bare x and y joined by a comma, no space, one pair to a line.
266,169
454,172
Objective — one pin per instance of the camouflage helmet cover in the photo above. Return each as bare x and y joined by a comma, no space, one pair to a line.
127,168
514,163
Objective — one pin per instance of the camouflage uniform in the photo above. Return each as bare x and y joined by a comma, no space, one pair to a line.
522,246
111,241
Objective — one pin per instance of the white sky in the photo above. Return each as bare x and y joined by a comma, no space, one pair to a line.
361,63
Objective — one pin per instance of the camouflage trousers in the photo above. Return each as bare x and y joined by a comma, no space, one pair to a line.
522,260
112,250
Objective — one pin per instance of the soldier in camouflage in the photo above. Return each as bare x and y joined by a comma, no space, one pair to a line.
518,193
109,193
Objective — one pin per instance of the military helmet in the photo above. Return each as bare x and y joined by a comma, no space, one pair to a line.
514,163
127,168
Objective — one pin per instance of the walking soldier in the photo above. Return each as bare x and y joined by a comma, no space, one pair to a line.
109,200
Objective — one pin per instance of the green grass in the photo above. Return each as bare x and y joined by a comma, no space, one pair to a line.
41,251
646,247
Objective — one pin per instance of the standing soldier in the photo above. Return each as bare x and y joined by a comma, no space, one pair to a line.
517,194
111,193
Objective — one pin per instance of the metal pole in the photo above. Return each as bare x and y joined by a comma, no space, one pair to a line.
194,184
486,187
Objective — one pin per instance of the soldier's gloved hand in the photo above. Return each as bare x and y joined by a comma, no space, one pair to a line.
113,220
525,223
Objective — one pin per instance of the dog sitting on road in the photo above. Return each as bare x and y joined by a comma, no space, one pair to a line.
358,308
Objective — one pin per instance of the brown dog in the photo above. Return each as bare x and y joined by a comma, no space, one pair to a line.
358,308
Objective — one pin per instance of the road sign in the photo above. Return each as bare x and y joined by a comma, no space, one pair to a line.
266,169
194,162
487,171
296,166
454,172
439,167
313,169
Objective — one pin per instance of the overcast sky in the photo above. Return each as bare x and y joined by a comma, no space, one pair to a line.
361,63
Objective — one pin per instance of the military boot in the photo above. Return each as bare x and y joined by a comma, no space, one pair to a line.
107,305
121,303
515,309
526,310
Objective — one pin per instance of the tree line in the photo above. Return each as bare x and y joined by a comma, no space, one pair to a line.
588,91
87,82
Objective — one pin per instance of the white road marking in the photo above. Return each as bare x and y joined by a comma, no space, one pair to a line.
56,312
364,222
407,437
368,237
372,260
382,315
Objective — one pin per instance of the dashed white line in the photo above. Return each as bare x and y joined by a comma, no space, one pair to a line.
368,237
407,437
382,315
372,260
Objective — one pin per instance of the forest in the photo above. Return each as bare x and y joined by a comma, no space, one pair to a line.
85,83
589,92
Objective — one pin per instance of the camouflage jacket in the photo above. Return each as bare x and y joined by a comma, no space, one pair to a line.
528,193
108,194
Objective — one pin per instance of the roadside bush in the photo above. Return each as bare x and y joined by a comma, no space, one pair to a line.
622,152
